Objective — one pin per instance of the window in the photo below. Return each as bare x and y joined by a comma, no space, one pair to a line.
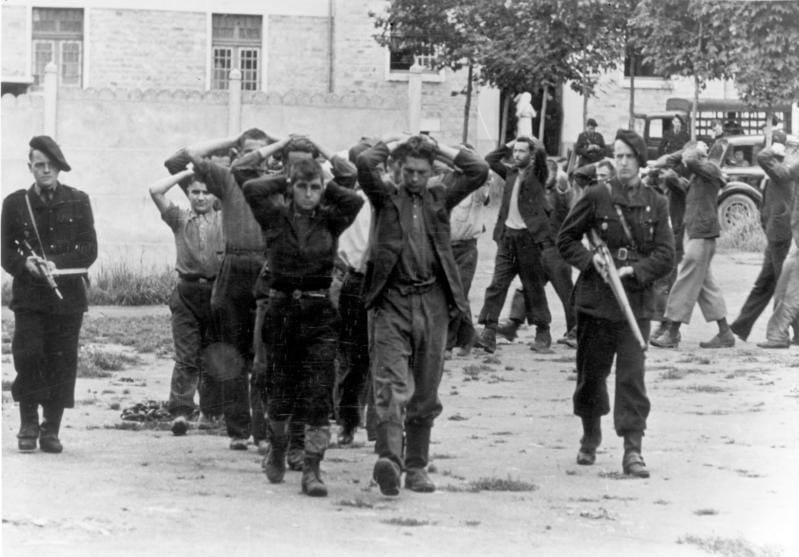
236,44
402,56
58,38
642,69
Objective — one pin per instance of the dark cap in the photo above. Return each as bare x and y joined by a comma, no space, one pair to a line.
591,122
634,142
46,145
585,175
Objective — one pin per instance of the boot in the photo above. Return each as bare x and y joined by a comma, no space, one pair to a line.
633,463
542,341
669,339
487,340
417,449
274,464
317,439
591,439
388,467
662,327
28,426
724,339
296,453
508,329
48,436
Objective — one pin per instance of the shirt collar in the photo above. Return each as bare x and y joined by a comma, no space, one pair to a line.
40,192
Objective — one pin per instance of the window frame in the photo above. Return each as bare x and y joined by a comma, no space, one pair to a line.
238,48
58,39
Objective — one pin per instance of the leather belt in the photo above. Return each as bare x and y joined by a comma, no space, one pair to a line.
196,278
297,294
624,254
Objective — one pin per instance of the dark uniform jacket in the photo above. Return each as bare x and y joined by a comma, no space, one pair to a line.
300,257
388,234
593,155
775,214
647,215
66,228
533,205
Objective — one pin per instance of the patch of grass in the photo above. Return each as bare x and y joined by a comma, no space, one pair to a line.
119,284
501,484
706,512
472,372
358,503
148,333
745,234
728,547
673,373
108,360
404,521
704,388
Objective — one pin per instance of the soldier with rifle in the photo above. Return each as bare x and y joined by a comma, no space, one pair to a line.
48,243
629,223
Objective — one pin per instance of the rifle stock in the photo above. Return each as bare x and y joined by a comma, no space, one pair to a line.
611,276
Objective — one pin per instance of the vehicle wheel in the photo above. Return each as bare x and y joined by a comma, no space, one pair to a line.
737,208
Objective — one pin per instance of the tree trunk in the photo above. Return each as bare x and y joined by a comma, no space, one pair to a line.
543,115
467,106
694,123
769,116
503,125
631,122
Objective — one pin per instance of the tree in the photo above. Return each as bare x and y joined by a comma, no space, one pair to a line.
677,38
764,39
516,45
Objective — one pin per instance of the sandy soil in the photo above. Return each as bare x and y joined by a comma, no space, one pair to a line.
722,447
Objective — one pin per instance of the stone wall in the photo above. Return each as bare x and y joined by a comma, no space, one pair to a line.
145,48
14,43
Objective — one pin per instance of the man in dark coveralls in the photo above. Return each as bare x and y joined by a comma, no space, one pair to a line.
633,220
412,286
46,228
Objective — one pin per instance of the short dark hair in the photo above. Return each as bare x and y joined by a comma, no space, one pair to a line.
253,133
305,169
417,147
299,144
529,140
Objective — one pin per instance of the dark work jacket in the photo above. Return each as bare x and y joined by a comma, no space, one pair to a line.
775,214
533,204
66,227
581,148
300,258
439,200
647,215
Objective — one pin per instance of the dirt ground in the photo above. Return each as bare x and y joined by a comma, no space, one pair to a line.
722,447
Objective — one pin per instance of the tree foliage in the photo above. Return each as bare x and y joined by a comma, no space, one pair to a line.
515,45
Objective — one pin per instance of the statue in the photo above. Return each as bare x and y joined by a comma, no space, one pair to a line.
525,114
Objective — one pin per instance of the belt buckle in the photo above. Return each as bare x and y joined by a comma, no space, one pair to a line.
622,254
297,294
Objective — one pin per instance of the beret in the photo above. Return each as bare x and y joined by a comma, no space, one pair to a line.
49,147
585,175
634,142
591,122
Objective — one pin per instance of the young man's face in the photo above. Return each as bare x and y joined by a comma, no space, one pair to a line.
249,145
200,199
626,161
521,154
416,172
45,172
307,194
603,174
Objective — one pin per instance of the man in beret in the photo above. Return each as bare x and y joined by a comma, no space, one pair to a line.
590,145
633,220
46,229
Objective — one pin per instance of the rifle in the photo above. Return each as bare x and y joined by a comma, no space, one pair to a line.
43,267
611,277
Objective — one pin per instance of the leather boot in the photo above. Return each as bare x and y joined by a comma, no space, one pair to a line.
317,439
633,463
591,439
296,452
417,449
388,467
51,424
28,426
508,329
274,463
487,340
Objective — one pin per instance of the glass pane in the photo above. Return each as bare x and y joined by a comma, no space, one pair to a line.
50,21
221,69
248,64
70,63
42,54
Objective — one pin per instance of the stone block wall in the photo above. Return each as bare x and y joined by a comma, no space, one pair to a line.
15,43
